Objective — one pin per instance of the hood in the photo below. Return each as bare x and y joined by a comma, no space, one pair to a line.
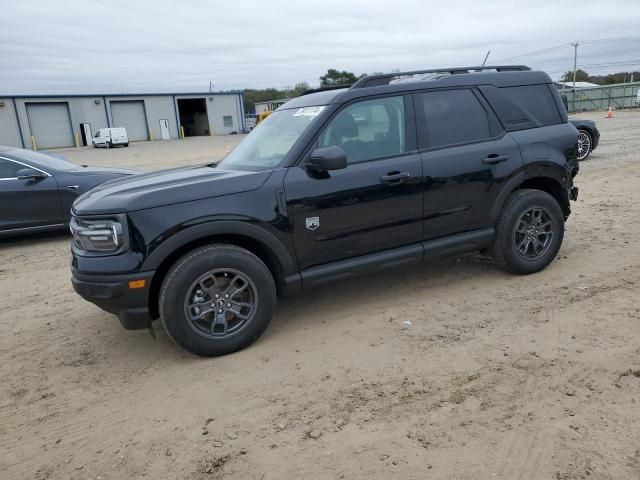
166,187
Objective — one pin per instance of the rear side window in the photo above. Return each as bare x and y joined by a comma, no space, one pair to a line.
452,117
536,101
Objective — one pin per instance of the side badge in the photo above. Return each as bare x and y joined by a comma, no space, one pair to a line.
313,223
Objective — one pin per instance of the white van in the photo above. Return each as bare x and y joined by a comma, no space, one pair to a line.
108,137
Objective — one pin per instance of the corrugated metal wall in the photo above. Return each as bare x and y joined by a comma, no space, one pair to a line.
95,110
9,132
620,95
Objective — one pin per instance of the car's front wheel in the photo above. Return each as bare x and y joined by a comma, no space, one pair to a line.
217,299
585,144
529,232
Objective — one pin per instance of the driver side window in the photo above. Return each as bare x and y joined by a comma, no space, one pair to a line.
368,130
9,169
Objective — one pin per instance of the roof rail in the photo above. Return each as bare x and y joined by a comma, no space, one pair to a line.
325,88
385,78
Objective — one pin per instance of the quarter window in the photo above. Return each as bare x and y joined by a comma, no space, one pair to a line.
451,117
368,130
536,101
9,169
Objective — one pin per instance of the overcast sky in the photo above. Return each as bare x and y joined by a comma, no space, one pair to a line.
81,46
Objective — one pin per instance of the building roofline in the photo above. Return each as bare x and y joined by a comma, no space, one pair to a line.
80,95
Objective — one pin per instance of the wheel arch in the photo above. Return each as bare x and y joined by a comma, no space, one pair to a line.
253,238
543,179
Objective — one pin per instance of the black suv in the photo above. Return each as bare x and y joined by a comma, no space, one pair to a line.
395,169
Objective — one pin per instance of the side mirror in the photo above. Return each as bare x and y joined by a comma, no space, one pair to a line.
30,174
327,158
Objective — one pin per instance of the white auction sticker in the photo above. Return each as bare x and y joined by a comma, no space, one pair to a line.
308,111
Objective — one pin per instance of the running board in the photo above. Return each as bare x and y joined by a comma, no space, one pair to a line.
415,253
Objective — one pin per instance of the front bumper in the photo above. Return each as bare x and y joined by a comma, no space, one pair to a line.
112,294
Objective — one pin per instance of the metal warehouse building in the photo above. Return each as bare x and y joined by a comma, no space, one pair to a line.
70,120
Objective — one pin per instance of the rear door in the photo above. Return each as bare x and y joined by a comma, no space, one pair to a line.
374,204
27,203
467,159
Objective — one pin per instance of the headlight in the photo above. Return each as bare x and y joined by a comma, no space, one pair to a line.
103,235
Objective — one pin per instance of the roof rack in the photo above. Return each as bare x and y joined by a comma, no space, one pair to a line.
385,78
325,88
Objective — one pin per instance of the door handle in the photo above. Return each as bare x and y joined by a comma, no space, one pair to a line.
495,159
394,178
72,187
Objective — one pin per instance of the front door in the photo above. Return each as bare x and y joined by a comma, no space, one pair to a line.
164,129
27,203
372,205
467,159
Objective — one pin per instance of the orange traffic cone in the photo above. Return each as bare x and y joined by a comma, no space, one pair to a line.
610,113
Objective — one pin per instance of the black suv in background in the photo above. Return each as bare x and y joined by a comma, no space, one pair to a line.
395,169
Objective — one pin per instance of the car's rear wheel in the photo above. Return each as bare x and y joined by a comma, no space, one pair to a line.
94,144
529,232
585,144
217,299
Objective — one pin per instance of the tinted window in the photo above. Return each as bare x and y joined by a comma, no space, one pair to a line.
368,130
45,161
9,169
536,101
451,117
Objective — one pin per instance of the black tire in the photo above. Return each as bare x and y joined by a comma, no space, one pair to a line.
126,144
94,144
586,144
508,241
178,289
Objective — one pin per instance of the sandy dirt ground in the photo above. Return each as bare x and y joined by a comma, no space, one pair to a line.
495,377
156,155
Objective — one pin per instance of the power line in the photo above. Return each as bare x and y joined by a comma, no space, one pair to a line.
537,52
564,45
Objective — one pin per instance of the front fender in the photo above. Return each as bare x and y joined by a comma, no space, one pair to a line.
221,227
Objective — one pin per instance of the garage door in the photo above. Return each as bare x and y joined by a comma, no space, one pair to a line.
130,115
50,124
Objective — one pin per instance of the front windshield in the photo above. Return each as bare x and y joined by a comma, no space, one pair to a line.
267,145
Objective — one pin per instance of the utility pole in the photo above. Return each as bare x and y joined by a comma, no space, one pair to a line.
575,68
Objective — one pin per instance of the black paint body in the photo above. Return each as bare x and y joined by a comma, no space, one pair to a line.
446,203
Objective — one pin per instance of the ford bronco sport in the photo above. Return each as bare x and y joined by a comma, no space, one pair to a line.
396,169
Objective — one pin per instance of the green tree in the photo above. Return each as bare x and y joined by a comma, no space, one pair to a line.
299,89
581,76
335,77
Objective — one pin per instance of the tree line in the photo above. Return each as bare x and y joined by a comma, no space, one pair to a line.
583,76
335,77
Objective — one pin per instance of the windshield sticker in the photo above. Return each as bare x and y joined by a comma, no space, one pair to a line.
308,111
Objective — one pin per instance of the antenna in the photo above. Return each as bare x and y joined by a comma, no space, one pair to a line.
485,58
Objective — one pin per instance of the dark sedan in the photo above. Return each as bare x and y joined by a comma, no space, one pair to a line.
37,189
588,137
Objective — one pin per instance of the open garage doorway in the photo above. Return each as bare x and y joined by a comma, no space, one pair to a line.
193,116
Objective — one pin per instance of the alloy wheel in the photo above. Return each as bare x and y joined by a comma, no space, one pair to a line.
533,233
584,145
220,303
